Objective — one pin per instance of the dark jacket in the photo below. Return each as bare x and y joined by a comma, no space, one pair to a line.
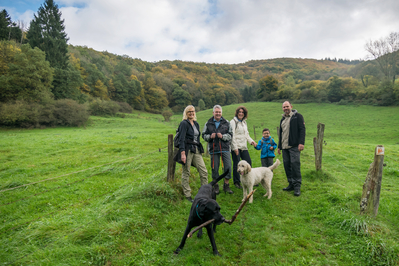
264,145
297,130
186,140
217,145
186,137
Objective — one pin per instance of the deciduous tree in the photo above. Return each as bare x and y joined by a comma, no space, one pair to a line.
385,52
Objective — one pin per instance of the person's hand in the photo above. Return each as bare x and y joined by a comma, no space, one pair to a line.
301,147
278,151
271,148
220,135
253,143
236,152
183,156
213,135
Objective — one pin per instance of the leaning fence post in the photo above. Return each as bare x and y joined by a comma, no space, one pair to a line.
370,200
171,162
254,133
318,146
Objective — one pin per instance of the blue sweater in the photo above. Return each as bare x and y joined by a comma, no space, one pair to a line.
264,145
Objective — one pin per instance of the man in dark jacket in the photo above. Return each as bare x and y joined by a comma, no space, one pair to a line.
218,133
291,142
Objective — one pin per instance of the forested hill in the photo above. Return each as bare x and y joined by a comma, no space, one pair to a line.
177,83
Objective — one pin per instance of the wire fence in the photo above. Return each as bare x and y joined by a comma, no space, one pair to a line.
83,170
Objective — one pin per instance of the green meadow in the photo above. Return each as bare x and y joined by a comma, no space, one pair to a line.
98,195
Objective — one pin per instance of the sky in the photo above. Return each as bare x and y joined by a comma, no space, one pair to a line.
221,31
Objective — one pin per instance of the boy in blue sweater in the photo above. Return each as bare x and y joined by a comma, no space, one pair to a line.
267,147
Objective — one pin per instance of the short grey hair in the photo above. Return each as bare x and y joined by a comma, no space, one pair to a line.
217,107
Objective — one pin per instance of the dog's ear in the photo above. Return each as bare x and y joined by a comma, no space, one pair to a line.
202,207
248,168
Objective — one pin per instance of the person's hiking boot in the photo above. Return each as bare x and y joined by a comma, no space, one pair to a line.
289,188
190,199
216,187
238,185
297,191
226,188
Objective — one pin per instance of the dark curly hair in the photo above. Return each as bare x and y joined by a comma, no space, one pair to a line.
244,109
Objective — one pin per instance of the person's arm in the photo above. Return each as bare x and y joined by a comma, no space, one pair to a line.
247,136
233,140
302,132
274,144
279,139
182,135
205,134
182,140
228,136
259,146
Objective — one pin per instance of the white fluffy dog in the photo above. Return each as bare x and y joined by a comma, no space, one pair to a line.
253,176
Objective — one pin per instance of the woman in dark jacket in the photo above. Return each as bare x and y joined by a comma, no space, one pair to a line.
190,150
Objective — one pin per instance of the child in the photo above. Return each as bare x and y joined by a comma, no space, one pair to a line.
267,147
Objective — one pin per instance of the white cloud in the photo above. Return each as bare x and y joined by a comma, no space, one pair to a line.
228,31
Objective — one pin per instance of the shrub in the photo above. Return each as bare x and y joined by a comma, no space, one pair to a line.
67,112
166,115
12,113
64,112
125,108
100,107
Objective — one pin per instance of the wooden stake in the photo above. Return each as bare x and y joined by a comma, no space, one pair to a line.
171,162
318,146
370,200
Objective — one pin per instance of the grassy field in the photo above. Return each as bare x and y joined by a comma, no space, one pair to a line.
98,195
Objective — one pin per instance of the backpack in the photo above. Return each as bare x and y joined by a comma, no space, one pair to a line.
176,138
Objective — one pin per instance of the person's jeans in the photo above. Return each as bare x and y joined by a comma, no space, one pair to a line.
215,162
292,166
196,160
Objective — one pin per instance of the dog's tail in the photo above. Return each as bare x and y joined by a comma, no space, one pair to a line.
219,178
274,166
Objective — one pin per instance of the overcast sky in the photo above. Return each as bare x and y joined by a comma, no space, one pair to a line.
222,31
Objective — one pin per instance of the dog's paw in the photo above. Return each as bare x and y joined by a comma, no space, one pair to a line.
217,254
176,252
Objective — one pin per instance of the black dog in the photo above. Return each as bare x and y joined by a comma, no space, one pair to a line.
204,208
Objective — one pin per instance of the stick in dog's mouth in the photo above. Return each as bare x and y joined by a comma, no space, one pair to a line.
226,221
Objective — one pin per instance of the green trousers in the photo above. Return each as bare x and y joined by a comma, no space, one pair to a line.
193,159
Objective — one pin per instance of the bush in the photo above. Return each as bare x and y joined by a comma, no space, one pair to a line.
125,108
62,112
100,107
67,112
166,115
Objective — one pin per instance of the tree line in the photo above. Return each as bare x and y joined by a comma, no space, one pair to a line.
39,69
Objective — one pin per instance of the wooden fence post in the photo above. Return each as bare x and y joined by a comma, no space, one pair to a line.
254,133
318,146
370,200
171,162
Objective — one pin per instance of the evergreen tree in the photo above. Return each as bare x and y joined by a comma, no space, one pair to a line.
8,29
5,22
47,32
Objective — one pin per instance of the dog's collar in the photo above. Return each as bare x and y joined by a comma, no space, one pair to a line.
197,211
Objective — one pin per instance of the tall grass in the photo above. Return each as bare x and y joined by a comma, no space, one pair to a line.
106,200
